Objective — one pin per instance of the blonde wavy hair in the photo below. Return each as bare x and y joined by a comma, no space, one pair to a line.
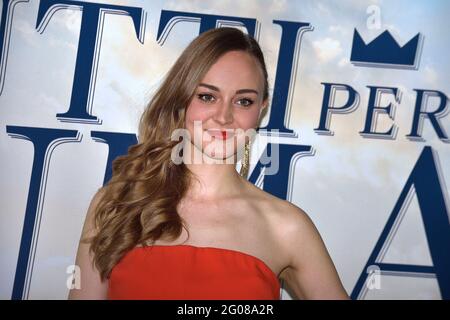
138,205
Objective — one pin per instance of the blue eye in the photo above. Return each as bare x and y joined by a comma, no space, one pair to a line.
247,102
205,97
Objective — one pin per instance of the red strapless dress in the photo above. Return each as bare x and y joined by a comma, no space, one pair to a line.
187,272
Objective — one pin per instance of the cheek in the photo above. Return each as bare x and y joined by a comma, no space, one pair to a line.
195,112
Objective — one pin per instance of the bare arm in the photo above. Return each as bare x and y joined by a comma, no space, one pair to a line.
311,273
91,285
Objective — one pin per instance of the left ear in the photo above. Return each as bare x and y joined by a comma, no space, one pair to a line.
263,105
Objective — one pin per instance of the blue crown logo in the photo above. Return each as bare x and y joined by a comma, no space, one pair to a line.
385,52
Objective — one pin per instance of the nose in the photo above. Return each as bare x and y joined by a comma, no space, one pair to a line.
224,113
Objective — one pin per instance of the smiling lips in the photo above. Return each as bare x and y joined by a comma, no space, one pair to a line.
220,134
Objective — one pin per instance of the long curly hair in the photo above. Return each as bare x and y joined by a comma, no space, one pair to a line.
138,205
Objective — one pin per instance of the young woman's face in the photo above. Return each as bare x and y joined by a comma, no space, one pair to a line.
229,97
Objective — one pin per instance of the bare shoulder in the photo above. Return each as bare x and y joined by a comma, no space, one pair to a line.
307,266
89,220
286,221
284,216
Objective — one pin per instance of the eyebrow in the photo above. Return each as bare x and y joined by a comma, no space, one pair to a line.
210,86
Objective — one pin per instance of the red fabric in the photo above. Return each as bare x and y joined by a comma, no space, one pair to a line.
186,272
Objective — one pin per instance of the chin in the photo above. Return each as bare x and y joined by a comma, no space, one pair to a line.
223,158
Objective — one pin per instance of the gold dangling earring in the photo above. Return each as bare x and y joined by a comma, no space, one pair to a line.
246,161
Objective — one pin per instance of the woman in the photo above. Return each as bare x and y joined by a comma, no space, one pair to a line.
165,229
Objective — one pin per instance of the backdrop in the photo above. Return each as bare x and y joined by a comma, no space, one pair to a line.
359,101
